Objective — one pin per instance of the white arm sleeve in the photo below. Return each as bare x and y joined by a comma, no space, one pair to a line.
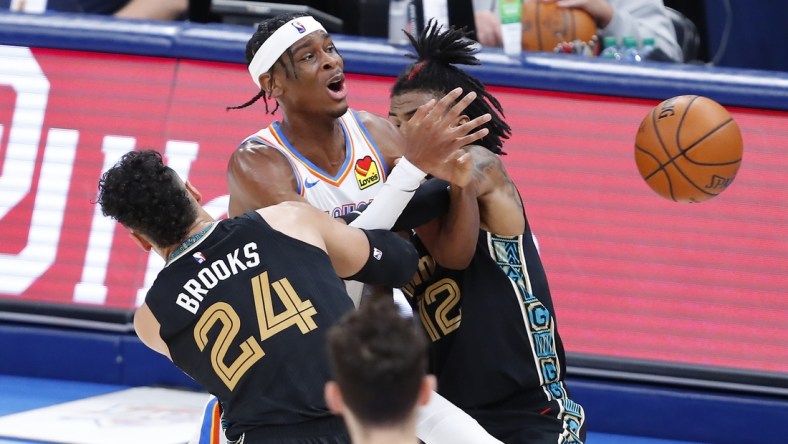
441,422
395,194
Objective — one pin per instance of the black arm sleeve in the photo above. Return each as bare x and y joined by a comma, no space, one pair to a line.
392,260
430,200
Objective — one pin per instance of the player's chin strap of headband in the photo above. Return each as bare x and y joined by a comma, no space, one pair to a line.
277,44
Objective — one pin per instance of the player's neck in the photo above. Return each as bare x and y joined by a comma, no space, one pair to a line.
199,228
323,144
405,434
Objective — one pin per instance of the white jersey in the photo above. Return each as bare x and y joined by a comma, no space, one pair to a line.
356,183
354,186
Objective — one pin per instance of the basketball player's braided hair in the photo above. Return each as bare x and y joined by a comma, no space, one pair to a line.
265,29
147,196
437,51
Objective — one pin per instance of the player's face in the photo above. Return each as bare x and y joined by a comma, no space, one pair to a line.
403,106
315,79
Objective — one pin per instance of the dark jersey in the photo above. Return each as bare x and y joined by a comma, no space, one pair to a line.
494,336
245,312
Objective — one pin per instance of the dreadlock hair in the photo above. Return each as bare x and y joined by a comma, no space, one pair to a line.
437,51
264,30
147,196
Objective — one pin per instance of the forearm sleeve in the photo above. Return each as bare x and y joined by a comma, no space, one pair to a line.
392,260
440,422
431,200
395,194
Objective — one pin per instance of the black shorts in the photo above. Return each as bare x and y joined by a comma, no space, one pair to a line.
319,431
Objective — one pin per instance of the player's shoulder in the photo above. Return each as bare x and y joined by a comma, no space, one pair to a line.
385,135
366,116
292,210
298,220
254,145
255,152
375,123
483,156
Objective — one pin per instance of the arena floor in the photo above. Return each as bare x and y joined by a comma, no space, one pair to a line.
47,411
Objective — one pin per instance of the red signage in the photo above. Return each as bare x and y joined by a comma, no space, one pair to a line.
633,275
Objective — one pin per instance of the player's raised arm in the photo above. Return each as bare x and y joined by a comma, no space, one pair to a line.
378,257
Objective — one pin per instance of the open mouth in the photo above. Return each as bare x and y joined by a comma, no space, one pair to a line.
336,87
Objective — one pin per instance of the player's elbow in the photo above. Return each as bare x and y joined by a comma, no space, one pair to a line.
454,260
392,260
409,264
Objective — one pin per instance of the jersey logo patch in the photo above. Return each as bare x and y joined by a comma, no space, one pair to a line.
199,257
310,184
366,172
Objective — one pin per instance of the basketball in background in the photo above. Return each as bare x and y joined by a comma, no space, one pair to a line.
688,149
545,25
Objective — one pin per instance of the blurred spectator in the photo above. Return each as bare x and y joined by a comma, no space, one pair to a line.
488,25
636,18
619,18
146,9
134,9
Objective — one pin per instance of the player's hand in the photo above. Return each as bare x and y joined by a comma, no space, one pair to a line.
600,10
457,169
434,132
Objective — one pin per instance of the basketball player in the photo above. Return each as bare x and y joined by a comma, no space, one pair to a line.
321,151
243,305
339,159
481,290
376,354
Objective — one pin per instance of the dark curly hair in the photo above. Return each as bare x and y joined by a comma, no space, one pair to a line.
147,196
437,51
378,358
265,29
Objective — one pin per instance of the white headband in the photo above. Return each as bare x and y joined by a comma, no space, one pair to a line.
277,44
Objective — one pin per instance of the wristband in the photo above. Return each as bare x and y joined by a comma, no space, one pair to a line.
430,201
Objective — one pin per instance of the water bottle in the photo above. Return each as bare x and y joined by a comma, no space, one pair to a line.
611,48
647,48
398,10
631,53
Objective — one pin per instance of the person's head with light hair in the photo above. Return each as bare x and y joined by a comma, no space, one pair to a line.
379,369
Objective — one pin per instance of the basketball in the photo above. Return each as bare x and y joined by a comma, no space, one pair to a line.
545,25
688,149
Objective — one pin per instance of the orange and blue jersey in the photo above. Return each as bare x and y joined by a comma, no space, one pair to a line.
354,185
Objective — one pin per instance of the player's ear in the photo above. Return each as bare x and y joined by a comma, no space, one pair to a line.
270,84
428,385
193,191
140,241
265,82
334,397
462,119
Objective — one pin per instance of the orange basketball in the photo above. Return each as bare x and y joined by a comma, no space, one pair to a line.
545,25
688,149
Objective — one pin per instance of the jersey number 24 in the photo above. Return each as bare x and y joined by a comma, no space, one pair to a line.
296,313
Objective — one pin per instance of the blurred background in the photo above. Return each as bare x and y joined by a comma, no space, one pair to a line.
674,316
